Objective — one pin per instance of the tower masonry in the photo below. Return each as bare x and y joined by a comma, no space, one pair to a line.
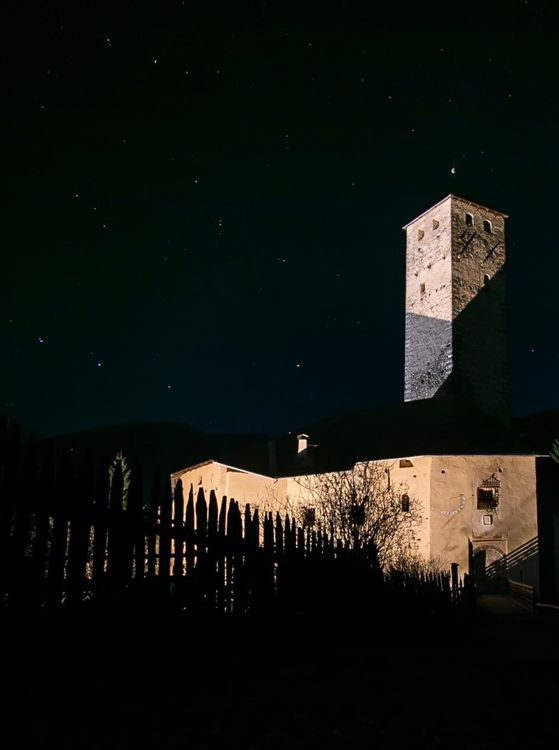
455,341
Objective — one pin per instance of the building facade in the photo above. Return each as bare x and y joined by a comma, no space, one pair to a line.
479,511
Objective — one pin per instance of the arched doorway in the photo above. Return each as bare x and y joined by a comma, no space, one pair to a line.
488,569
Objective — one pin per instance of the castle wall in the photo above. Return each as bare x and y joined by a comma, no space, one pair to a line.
456,518
428,325
455,305
452,528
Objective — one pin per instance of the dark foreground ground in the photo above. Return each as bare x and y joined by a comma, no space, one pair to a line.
486,683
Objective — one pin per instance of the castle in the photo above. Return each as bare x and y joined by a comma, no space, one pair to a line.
478,499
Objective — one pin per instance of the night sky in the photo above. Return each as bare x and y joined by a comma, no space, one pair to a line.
202,211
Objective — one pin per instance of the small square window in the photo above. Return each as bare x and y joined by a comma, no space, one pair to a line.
435,224
405,503
486,498
487,226
469,220
487,520
420,234
422,288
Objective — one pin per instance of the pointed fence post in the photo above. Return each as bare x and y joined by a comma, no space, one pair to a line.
59,545
235,559
45,502
135,551
178,531
454,579
114,576
201,535
213,597
23,527
221,601
9,470
165,534
78,547
100,515
189,531
151,522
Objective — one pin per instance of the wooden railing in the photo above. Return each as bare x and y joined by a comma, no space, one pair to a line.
522,593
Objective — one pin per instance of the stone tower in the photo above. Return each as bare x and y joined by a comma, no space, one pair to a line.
455,305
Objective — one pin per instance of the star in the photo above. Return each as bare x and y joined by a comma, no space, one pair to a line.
42,341
453,170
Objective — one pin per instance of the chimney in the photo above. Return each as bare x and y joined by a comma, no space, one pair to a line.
302,443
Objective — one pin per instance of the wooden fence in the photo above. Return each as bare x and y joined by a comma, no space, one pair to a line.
85,539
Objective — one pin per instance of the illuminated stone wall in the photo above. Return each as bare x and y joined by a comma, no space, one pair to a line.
455,340
452,526
510,528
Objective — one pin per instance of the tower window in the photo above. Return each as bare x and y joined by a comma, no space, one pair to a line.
422,287
420,234
487,226
405,503
435,224
469,220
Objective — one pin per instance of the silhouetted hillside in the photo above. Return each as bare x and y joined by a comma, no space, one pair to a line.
431,426
167,445
440,425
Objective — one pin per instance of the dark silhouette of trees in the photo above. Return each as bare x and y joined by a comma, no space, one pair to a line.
360,507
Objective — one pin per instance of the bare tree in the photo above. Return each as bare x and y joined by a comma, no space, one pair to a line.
361,507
